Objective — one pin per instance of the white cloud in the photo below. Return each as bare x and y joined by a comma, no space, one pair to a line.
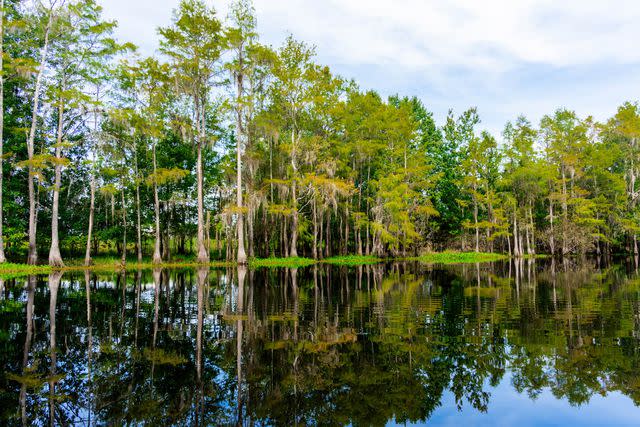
452,53
490,34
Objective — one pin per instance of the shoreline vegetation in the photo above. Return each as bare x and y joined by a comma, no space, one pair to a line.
10,270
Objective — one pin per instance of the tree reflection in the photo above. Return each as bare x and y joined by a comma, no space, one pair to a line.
322,345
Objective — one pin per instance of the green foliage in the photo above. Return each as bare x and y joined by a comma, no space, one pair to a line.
326,168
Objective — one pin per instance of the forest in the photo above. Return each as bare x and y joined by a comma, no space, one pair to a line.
226,148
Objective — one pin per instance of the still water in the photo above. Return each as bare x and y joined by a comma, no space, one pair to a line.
526,343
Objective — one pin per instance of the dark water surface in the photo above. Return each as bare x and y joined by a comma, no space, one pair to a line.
528,343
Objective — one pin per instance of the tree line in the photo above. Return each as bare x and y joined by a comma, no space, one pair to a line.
228,148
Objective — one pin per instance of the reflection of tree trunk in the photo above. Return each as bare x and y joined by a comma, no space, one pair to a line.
478,300
31,289
294,287
87,290
553,282
202,278
157,274
516,264
54,285
138,283
242,271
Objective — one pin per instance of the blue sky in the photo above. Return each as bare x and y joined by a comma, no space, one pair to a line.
506,58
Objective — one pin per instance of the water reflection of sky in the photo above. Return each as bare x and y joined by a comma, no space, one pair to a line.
509,408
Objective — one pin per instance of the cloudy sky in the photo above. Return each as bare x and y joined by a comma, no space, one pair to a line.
504,57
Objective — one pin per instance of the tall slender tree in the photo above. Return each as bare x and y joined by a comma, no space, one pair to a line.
2,14
240,37
194,43
47,18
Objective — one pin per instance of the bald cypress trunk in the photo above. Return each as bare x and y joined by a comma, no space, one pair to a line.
138,226
55,259
32,257
202,253
87,254
2,256
157,257
124,230
241,134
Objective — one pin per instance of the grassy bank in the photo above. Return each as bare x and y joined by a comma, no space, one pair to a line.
458,257
8,270
105,264
291,262
352,260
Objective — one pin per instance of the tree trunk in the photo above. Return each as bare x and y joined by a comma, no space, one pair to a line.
157,257
490,217
242,255
516,248
124,229
250,227
565,214
87,254
552,243
294,198
533,230
527,239
171,207
314,248
327,230
475,223
293,251
207,236
55,259
322,243
203,255
32,257
346,231
2,256
138,226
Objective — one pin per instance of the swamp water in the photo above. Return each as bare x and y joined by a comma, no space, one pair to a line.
524,343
